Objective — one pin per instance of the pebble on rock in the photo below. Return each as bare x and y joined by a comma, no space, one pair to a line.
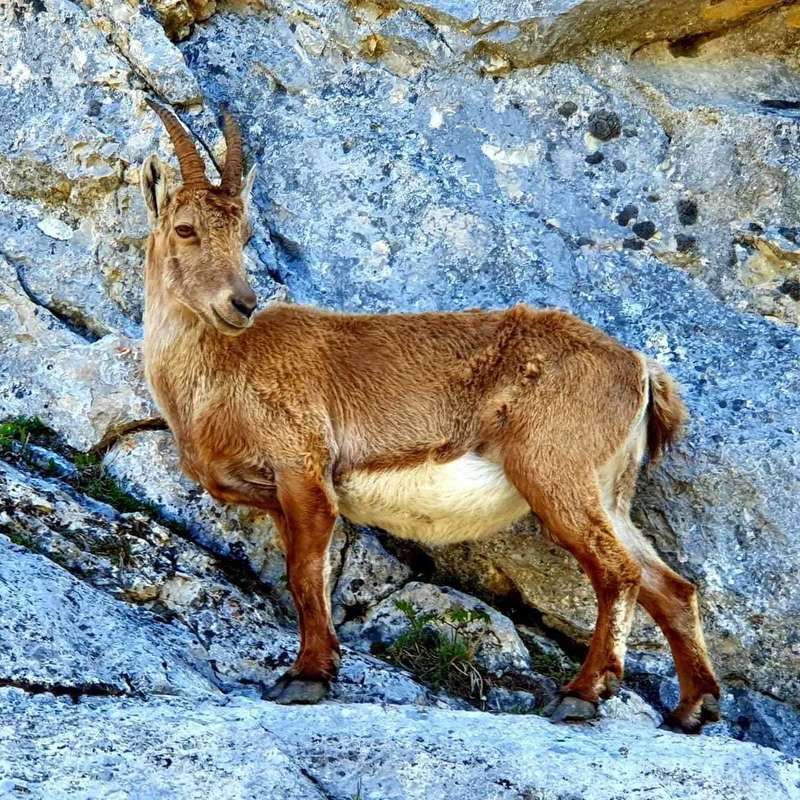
567,109
633,244
687,212
628,213
644,229
604,124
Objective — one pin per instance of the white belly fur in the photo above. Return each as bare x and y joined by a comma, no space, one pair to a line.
438,504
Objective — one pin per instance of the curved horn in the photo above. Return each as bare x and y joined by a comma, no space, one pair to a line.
193,170
232,171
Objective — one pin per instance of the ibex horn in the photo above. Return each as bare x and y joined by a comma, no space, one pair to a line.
232,171
193,170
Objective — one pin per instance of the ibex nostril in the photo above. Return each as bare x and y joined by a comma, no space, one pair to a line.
244,305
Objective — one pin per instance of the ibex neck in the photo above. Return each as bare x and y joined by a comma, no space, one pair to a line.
168,325
179,358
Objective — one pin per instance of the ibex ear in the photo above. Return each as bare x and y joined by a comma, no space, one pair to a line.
153,183
247,190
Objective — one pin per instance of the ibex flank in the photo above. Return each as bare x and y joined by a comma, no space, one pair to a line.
439,427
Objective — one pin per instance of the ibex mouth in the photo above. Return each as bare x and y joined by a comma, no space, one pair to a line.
228,327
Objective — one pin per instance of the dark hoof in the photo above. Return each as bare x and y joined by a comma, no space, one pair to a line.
288,690
710,710
611,687
690,718
570,709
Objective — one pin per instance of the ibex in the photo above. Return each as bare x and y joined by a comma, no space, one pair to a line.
439,427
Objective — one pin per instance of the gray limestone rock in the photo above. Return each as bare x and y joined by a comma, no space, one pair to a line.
62,636
89,392
171,748
499,648
415,157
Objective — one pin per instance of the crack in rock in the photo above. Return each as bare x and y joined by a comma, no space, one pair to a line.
74,691
71,324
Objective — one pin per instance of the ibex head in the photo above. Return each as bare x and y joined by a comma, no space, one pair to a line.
198,229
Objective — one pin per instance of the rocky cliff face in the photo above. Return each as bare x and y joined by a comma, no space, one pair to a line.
634,162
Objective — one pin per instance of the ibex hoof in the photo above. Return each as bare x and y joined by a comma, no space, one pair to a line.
570,709
690,717
288,690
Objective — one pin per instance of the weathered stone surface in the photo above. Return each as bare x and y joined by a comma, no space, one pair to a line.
141,41
87,391
61,272
246,748
501,36
511,701
629,707
367,575
178,16
188,752
71,128
406,161
58,634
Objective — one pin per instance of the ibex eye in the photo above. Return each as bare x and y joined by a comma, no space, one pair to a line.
184,231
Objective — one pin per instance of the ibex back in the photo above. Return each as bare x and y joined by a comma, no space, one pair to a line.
437,427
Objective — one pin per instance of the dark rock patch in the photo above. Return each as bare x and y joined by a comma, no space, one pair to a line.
781,105
567,109
644,229
604,124
687,212
628,213
790,287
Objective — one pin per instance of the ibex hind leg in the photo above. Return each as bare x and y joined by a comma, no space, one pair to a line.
671,601
569,503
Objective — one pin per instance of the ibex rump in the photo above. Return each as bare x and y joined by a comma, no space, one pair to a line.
440,427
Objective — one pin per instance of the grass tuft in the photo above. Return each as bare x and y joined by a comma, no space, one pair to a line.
116,549
20,538
551,666
94,481
440,650
20,430
16,433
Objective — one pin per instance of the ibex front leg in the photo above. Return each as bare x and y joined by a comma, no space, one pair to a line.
306,524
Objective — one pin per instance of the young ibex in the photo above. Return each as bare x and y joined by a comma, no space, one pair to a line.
441,427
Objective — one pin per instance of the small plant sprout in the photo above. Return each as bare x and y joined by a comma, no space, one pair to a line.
440,649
